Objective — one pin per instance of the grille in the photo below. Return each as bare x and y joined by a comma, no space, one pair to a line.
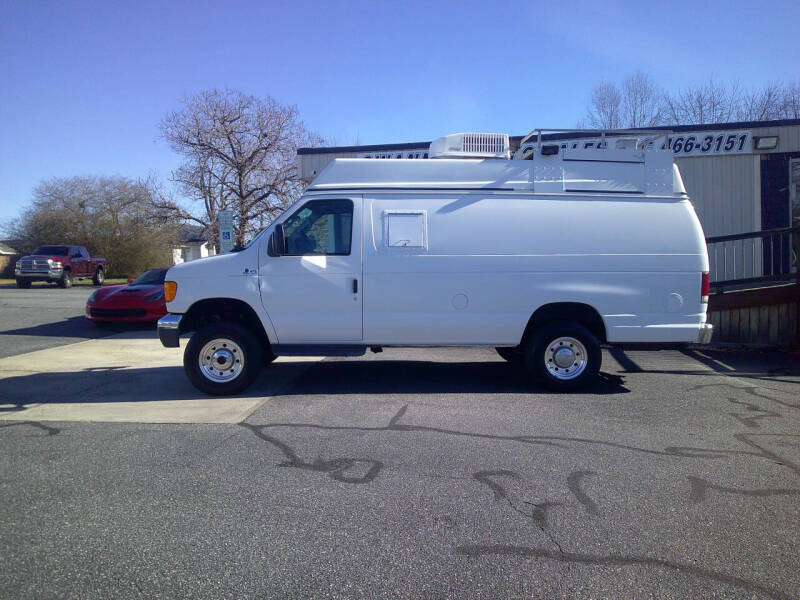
34,265
117,312
484,143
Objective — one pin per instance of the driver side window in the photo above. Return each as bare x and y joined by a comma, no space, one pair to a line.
320,227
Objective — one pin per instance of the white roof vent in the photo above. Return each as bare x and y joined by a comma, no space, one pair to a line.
471,145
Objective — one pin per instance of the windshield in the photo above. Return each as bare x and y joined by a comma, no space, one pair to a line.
151,277
276,219
255,237
52,250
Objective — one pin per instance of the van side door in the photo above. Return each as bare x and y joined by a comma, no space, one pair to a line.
312,292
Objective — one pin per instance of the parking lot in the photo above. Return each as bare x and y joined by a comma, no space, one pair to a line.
412,473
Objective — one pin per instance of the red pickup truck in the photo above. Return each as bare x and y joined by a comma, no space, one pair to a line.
59,264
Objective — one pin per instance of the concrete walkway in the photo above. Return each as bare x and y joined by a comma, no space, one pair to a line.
127,377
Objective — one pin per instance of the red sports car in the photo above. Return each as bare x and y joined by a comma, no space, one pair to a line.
141,301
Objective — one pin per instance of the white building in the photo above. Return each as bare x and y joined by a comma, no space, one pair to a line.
193,246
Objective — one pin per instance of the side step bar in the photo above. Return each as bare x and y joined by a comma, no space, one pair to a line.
317,350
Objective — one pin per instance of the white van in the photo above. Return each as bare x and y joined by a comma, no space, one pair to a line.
543,257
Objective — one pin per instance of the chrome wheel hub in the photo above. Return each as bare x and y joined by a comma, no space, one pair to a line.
221,360
565,358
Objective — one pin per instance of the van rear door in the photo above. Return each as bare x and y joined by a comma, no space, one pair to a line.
312,293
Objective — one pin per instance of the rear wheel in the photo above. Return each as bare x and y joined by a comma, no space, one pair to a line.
223,359
66,280
563,356
23,284
99,277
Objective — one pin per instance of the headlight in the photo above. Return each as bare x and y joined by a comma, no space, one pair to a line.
154,297
54,264
92,297
17,267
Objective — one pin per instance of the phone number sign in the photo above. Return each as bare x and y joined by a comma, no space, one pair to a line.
709,143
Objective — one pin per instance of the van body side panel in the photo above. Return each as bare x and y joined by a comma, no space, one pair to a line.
489,261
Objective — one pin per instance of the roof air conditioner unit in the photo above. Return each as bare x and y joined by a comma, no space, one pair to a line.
471,145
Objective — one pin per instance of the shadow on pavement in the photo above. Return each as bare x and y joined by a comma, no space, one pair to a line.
333,377
772,363
752,364
121,384
81,327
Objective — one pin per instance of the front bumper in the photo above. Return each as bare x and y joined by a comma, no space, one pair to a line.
706,331
33,275
122,315
169,330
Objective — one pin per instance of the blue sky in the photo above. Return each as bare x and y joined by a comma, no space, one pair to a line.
83,85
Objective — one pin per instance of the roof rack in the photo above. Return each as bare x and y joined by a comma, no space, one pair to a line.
653,134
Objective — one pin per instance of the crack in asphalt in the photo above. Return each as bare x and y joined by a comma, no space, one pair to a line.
542,440
477,550
539,513
701,486
336,468
573,483
47,428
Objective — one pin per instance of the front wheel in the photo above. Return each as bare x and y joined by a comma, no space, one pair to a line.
66,280
563,356
512,355
23,284
222,359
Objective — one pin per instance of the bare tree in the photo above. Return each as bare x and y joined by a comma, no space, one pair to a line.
239,154
790,103
639,102
111,216
710,102
642,101
762,104
605,106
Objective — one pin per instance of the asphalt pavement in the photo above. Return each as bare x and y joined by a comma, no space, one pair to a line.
424,473
45,316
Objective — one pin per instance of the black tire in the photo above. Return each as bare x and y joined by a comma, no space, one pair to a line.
66,280
513,355
247,344
99,276
269,357
23,284
538,344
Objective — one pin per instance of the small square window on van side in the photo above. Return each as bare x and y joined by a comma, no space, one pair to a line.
406,229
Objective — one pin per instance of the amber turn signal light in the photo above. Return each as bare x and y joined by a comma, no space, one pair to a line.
170,289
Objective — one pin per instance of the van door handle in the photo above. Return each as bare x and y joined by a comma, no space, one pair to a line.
355,286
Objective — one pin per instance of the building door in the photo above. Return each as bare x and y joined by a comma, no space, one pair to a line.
313,292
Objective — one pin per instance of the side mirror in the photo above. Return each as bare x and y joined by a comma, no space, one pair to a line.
277,241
